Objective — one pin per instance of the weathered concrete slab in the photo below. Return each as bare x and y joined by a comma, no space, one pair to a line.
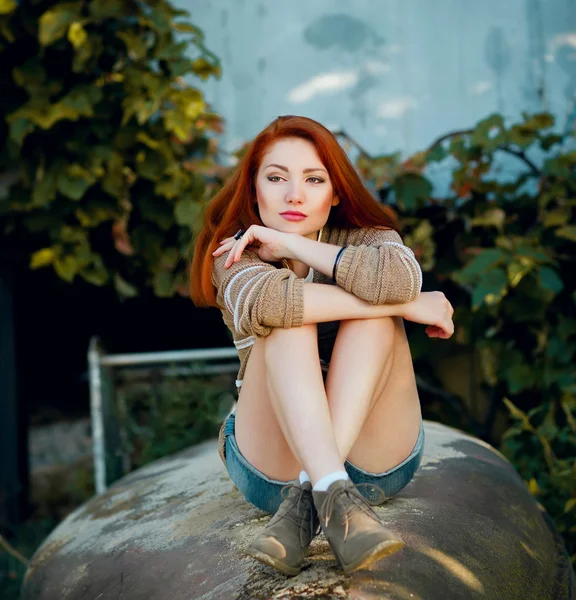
176,528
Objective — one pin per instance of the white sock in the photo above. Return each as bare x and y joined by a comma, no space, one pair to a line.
323,484
303,477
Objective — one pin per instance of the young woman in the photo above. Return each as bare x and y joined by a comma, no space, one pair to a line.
313,281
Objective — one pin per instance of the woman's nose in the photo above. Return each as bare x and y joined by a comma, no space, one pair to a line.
294,193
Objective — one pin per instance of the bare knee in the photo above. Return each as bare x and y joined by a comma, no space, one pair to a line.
289,341
278,335
380,325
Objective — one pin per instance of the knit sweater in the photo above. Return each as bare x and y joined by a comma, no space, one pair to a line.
255,296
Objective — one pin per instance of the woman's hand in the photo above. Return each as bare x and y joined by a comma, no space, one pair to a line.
434,310
270,245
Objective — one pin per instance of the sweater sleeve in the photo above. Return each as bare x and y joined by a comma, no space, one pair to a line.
381,269
258,295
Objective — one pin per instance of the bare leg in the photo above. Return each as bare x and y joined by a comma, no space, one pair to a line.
372,393
296,393
365,352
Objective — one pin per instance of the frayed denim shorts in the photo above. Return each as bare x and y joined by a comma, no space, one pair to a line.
265,493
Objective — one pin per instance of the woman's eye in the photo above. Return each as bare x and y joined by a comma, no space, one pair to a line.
275,178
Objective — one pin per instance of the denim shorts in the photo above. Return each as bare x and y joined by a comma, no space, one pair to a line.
265,493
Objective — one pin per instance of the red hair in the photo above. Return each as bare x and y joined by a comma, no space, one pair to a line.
234,206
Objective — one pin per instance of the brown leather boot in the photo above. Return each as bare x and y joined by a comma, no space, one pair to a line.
284,541
354,531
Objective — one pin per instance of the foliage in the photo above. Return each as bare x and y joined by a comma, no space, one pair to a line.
161,415
108,153
501,243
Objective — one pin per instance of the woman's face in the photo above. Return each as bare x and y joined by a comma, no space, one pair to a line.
292,179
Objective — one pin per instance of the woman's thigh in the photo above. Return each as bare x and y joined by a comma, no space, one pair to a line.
392,429
263,455
257,431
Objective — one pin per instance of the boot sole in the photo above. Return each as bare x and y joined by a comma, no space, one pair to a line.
272,562
380,551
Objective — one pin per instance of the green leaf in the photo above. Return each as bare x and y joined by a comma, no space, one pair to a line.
78,103
44,191
550,280
483,261
42,258
493,217
77,34
549,141
54,23
570,504
66,267
187,212
162,282
151,165
489,133
529,252
522,136
516,271
91,48
436,154
107,9
74,182
123,287
179,123
159,18
412,190
136,44
189,28
559,216
95,271
491,288
568,232
8,6
539,121
19,129
520,377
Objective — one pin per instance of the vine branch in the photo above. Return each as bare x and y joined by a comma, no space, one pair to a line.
11,550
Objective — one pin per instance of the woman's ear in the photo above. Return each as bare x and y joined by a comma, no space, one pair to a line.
335,201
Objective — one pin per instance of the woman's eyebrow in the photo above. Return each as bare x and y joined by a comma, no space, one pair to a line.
282,168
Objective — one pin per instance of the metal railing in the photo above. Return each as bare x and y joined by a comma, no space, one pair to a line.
110,462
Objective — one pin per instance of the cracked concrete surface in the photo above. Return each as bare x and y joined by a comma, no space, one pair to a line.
177,528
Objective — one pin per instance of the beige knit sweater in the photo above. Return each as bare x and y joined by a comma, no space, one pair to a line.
255,296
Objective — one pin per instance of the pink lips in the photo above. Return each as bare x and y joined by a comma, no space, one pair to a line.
293,216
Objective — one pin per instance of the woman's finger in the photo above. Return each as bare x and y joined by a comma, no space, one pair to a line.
222,249
237,249
246,239
230,258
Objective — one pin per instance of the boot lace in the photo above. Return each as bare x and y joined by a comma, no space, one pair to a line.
302,496
356,502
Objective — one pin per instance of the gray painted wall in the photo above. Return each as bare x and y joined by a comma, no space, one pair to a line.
394,74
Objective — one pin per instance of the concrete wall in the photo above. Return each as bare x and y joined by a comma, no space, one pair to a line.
394,74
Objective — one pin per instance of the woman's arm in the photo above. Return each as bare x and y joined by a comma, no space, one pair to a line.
257,295
330,303
324,303
318,255
377,268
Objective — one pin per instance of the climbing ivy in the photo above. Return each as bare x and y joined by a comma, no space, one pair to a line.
107,151
500,241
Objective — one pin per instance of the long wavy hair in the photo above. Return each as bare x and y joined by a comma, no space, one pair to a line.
234,206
